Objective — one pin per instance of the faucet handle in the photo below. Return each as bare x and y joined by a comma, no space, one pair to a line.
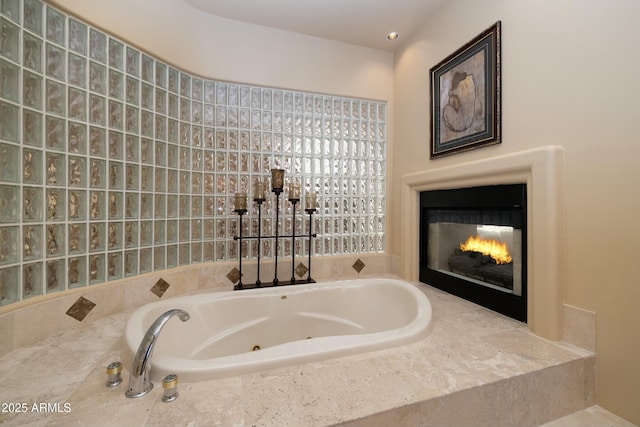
114,377
170,386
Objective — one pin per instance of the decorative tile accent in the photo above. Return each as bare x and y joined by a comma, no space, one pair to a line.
358,265
301,270
160,288
114,163
234,275
80,309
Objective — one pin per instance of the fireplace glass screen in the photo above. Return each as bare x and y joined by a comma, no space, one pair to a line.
473,244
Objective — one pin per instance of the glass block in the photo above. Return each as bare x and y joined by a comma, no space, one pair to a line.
77,205
173,131
9,122
130,263
55,169
116,84
131,234
56,98
131,205
173,106
159,202
133,62
172,231
32,204
97,142
32,128
172,206
97,173
197,88
77,70
146,233
159,233
97,205
33,16
9,155
159,179
116,175
172,256
55,280
77,36
209,91
114,266
173,80
185,85
96,236
31,165
116,54
77,276
77,104
55,239
97,46
146,205
184,254
97,110
55,26
77,238
132,87
77,171
146,151
183,230
55,62
77,138
96,269
114,235
185,109
147,68
32,242
146,124
116,144
31,280
196,229
9,238
146,256
146,178
196,252
131,177
10,46
10,78
131,148
131,119
56,204
97,78
115,205
158,258
161,101
9,285
146,96
196,206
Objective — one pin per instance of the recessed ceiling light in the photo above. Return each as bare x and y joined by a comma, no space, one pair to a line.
393,35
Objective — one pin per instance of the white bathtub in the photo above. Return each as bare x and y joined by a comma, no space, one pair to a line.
237,332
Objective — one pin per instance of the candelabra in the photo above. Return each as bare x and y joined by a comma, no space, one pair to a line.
277,187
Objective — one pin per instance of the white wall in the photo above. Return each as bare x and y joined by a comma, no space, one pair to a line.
223,49
570,78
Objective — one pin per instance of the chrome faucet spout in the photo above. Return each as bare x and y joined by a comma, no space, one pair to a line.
139,376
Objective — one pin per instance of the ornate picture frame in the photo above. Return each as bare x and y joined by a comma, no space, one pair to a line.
465,100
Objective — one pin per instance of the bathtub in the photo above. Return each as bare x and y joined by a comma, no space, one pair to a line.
236,332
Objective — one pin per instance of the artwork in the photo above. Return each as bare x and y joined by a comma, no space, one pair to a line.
465,96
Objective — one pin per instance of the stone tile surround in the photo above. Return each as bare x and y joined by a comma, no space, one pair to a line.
475,368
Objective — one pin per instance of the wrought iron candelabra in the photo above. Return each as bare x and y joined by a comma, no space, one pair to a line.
277,187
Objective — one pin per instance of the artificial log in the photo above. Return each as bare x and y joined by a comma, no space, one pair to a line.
481,267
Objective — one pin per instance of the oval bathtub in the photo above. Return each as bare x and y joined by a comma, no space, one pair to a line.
236,332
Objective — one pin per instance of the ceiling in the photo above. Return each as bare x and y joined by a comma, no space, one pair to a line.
360,22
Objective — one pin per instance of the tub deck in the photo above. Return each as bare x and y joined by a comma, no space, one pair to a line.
466,372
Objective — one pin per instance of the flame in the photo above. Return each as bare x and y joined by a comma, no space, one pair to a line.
495,249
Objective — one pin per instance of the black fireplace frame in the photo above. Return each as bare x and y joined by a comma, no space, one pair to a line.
510,197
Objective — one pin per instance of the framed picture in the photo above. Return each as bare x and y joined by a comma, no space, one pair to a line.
465,96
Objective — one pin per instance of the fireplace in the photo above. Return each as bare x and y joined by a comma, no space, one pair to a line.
473,244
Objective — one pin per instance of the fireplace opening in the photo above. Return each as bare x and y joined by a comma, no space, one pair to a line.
473,245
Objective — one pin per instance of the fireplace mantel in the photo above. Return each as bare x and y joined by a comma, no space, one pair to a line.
542,170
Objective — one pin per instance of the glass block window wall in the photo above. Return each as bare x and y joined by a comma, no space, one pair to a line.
114,163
